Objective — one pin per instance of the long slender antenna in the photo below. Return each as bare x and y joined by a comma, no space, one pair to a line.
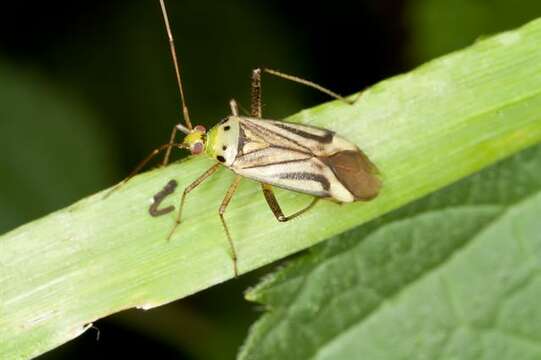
309,83
185,112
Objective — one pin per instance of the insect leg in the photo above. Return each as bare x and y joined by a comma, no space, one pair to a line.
299,80
141,165
189,188
275,207
168,189
168,151
255,106
234,107
225,202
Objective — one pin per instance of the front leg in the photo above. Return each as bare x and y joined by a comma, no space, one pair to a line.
189,188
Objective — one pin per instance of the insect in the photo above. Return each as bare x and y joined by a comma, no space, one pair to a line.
295,157
168,189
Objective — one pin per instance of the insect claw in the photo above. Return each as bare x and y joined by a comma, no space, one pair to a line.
235,267
172,231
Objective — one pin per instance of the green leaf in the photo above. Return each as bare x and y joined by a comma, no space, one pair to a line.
38,174
451,276
424,130
439,26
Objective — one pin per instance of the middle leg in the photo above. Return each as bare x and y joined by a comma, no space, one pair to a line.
187,190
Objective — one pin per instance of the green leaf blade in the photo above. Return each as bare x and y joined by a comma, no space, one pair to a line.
424,130
455,275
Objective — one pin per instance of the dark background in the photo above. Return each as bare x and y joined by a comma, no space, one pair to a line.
87,89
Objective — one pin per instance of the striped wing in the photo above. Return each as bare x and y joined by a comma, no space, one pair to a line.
304,159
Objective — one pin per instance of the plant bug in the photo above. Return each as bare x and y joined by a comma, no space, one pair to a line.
295,157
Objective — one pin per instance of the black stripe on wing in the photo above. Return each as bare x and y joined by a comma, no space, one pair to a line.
307,176
269,156
275,163
325,139
242,140
265,131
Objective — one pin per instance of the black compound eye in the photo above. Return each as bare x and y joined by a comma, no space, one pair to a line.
227,127
224,148
220,158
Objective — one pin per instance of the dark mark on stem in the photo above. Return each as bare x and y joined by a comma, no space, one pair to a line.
168,189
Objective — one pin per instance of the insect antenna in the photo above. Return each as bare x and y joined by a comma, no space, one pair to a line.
308,83
185,113
142,164
176,64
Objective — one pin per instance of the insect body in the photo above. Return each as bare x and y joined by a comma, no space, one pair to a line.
296,157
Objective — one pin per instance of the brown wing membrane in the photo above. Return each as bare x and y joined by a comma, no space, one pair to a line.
355,171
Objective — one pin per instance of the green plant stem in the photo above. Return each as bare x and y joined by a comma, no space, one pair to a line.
424,130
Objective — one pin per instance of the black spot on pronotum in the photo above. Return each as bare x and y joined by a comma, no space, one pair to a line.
227,127
224,147
220,158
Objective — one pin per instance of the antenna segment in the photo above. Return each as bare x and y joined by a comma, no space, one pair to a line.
185,112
